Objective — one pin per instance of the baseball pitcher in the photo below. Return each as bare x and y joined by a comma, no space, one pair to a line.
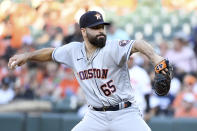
100,67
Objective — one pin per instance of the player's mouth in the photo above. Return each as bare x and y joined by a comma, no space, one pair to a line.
101,36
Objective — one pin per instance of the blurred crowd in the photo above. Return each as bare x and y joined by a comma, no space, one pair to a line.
57,85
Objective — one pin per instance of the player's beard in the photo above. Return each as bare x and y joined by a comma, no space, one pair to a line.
96,41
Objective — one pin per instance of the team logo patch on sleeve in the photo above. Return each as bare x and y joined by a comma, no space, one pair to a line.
123,42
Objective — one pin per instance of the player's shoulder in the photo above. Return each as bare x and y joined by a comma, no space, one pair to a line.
73,45
112,41
118,42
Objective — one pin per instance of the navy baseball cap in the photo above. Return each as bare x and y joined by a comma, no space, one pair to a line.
91,19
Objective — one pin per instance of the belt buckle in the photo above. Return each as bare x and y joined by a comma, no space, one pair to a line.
104,108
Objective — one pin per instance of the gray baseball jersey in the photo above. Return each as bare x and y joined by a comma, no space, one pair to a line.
104,78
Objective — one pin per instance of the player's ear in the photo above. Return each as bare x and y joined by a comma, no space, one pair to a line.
83,31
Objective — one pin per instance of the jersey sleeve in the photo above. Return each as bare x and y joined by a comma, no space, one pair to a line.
121,50
63,55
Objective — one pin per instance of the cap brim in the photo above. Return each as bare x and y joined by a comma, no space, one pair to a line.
99,23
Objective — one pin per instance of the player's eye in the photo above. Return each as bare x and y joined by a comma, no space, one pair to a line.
97,27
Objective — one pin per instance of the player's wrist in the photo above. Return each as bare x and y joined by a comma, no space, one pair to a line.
158,59
28,56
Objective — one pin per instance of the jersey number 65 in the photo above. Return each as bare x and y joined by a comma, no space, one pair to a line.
108,88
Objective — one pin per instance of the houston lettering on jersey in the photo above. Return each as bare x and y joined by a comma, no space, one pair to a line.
93,73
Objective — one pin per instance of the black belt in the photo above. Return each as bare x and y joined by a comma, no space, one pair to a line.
114,108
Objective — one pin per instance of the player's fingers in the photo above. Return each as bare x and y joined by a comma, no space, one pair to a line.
12,59
163,72
10,62
13,64
166,70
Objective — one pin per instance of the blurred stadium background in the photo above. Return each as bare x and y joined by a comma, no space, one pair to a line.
47,97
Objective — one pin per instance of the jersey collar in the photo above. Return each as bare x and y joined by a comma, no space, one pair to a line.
83,51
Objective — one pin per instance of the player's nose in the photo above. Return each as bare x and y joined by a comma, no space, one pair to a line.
101,31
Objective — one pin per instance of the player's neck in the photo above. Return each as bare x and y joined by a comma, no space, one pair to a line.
90,49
